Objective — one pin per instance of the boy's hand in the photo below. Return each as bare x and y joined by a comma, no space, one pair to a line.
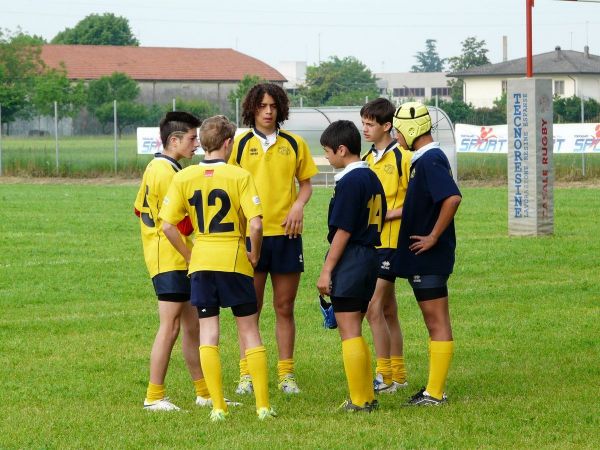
253,259
324,283
294,220
422,244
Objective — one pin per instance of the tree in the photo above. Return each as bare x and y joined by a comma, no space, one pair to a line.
339,82
568,109
54,86
429,60
20,64
474,53
128,113
96,29
242,89
117,86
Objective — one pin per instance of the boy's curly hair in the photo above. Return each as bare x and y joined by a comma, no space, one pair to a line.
254,98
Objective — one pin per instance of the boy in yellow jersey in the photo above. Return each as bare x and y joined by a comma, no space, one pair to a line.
355,219
276,159
391,164
221,201
167,267
427,241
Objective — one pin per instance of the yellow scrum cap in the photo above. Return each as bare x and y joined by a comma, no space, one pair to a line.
412,120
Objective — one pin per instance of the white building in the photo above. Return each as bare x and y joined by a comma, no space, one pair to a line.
572,73
419,86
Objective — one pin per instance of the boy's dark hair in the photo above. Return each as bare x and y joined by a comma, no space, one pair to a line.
342,132
179,122
380,109
214,131
254,98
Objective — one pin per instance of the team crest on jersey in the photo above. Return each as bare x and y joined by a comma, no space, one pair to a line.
412,173
385,265
283,151
256,200
253,151
388,168
209,173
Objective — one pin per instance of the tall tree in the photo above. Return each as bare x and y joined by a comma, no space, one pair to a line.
96,29
20,64
429,60
54,86
339,82
118,86
474,53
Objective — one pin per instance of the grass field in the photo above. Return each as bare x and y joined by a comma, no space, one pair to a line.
93,156
79,317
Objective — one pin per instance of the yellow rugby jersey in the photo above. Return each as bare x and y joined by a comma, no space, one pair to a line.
220,199
159,254
275,172
393,170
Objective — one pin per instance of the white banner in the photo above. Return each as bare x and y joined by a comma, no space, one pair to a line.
568,138
149,143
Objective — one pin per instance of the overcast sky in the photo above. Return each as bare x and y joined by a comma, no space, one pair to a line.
384,34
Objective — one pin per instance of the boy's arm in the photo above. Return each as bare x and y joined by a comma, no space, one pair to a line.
447,212
176,241
294,220
336,250
256,236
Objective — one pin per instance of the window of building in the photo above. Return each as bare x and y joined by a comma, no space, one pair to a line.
409,92
440,91
559,87
504,86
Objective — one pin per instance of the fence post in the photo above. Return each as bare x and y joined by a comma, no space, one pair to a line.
237,112
174,105
115,131
300,101
0,139
583,153
56,132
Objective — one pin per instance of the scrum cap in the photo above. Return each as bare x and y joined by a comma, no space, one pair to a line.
412,120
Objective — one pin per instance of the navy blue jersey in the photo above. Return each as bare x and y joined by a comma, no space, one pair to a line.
358,207
429,185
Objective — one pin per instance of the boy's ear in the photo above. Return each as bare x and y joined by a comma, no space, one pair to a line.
387,127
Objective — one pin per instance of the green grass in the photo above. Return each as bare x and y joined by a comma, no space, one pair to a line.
93,156
79,316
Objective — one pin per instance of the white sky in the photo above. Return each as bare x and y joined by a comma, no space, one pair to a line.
384,34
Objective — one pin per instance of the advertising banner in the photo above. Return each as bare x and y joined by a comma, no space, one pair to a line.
567,138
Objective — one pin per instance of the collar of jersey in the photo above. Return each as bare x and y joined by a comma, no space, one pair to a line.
416,155
350,167
387,149
212,162
170,160
263,136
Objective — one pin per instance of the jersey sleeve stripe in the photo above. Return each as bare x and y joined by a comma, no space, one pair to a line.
242,145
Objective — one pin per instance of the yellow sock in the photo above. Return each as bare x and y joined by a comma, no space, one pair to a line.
355,363
211,365
370,392
284,367
201,388
244,367
439,362
155,392
384,367
398,369
257,365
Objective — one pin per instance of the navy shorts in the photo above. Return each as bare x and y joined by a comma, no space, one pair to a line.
429,287
355,274
172,286
348,304
387,258
212,289
280,254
